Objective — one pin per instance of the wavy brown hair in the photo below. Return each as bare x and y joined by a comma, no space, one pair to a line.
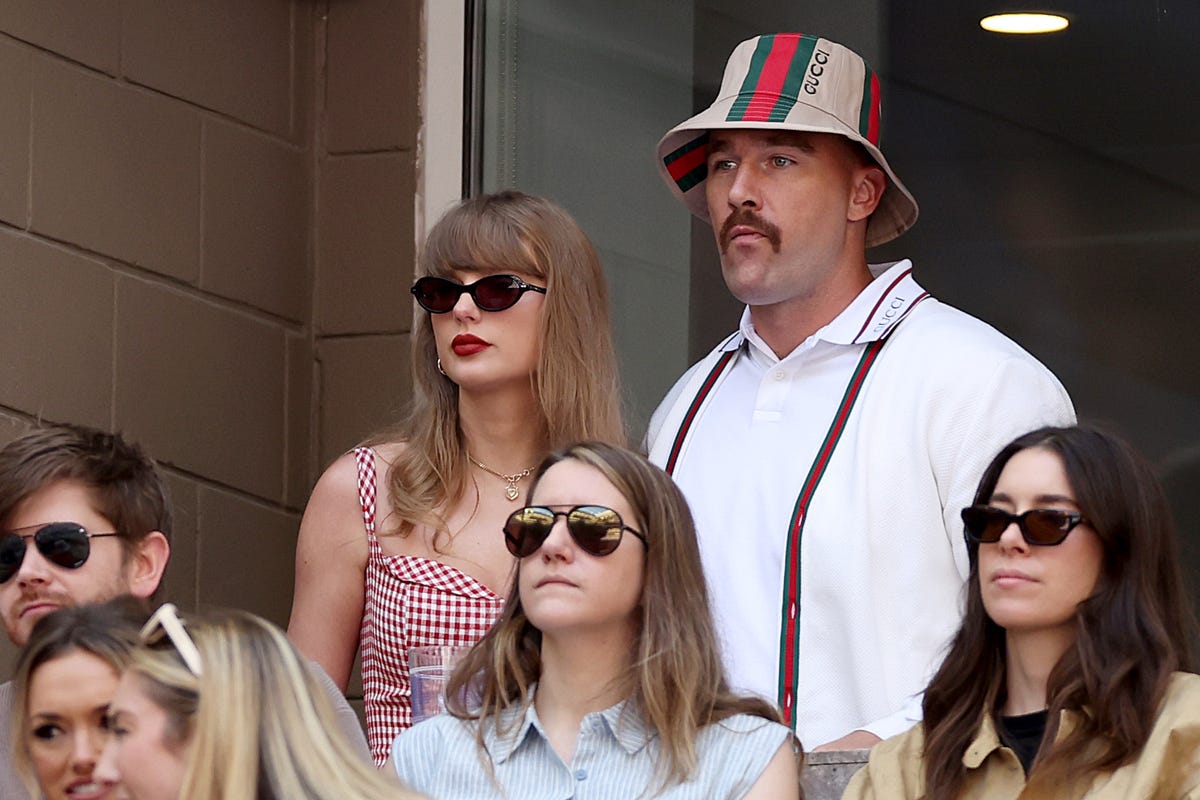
1130,635
576,380
675,678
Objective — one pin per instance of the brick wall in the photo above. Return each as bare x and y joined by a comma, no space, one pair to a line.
206,238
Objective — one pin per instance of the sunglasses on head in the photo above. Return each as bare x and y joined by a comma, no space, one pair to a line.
1038,526
166,622
67,544
493,293
596,529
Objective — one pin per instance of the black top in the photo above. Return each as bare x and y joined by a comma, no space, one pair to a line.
1023,734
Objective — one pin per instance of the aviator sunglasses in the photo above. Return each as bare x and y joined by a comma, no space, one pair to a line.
67,544
493,293
596,529
1038,526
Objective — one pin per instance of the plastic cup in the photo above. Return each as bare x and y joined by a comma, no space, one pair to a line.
429,667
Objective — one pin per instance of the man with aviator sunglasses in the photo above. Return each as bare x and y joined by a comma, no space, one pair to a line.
84,518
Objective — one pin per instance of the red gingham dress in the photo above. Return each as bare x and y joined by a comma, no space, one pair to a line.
410,601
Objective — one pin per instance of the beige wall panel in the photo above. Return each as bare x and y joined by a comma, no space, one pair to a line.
232,56
247,555
255,220
10,428
179,583
56,317
87,32
365,256
371,92
365,384
115,170
201,386
14,133
300,464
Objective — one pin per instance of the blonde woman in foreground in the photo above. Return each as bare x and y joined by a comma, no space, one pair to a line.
222,706
602,678
1071,674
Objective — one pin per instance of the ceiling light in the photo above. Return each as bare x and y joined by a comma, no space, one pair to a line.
1024,23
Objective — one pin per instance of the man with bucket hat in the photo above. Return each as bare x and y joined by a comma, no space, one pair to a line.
828,445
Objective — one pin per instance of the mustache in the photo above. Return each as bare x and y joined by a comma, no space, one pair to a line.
746,216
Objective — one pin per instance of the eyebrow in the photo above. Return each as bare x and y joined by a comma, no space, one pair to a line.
1040,499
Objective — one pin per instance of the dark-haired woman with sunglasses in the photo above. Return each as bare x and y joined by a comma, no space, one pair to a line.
602,678
1071,674
512,356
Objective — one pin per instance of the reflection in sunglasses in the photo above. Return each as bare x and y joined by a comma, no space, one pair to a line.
596,529
65,544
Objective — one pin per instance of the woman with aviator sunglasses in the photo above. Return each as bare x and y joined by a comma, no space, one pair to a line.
602,677
512,356
1071,674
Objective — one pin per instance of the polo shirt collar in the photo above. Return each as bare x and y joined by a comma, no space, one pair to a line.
869,317
620,721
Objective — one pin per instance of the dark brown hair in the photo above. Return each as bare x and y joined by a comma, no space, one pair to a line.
1130,635
126,487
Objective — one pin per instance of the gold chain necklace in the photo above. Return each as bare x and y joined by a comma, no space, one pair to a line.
510,489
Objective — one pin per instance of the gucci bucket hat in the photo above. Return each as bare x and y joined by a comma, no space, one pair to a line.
789,81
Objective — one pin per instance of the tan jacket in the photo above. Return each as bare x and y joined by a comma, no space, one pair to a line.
1168,767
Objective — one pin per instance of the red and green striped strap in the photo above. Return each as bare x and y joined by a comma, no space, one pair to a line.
690,417
789,638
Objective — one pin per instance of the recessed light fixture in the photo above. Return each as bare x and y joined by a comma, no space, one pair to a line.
1024,23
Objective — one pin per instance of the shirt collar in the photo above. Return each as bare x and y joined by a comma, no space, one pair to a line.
621,722
869,317
987,738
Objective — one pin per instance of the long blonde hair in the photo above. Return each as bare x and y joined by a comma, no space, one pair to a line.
675,678
258,722
576,381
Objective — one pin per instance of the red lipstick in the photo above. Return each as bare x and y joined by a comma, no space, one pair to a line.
466,344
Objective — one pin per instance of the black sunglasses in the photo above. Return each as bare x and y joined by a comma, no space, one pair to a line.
493,293
1039,526
67,544
596,529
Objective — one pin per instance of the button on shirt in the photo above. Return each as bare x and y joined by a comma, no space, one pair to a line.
615,757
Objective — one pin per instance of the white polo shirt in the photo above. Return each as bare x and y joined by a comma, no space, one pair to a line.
881,554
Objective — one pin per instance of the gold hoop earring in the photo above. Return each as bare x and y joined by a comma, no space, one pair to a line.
439,366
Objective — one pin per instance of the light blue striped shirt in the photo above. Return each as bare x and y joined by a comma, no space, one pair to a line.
615,758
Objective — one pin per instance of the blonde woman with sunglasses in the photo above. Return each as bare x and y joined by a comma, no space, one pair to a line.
222,706
512,356
1072,673
602,678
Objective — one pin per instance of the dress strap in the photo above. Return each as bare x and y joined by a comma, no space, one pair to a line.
364,457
